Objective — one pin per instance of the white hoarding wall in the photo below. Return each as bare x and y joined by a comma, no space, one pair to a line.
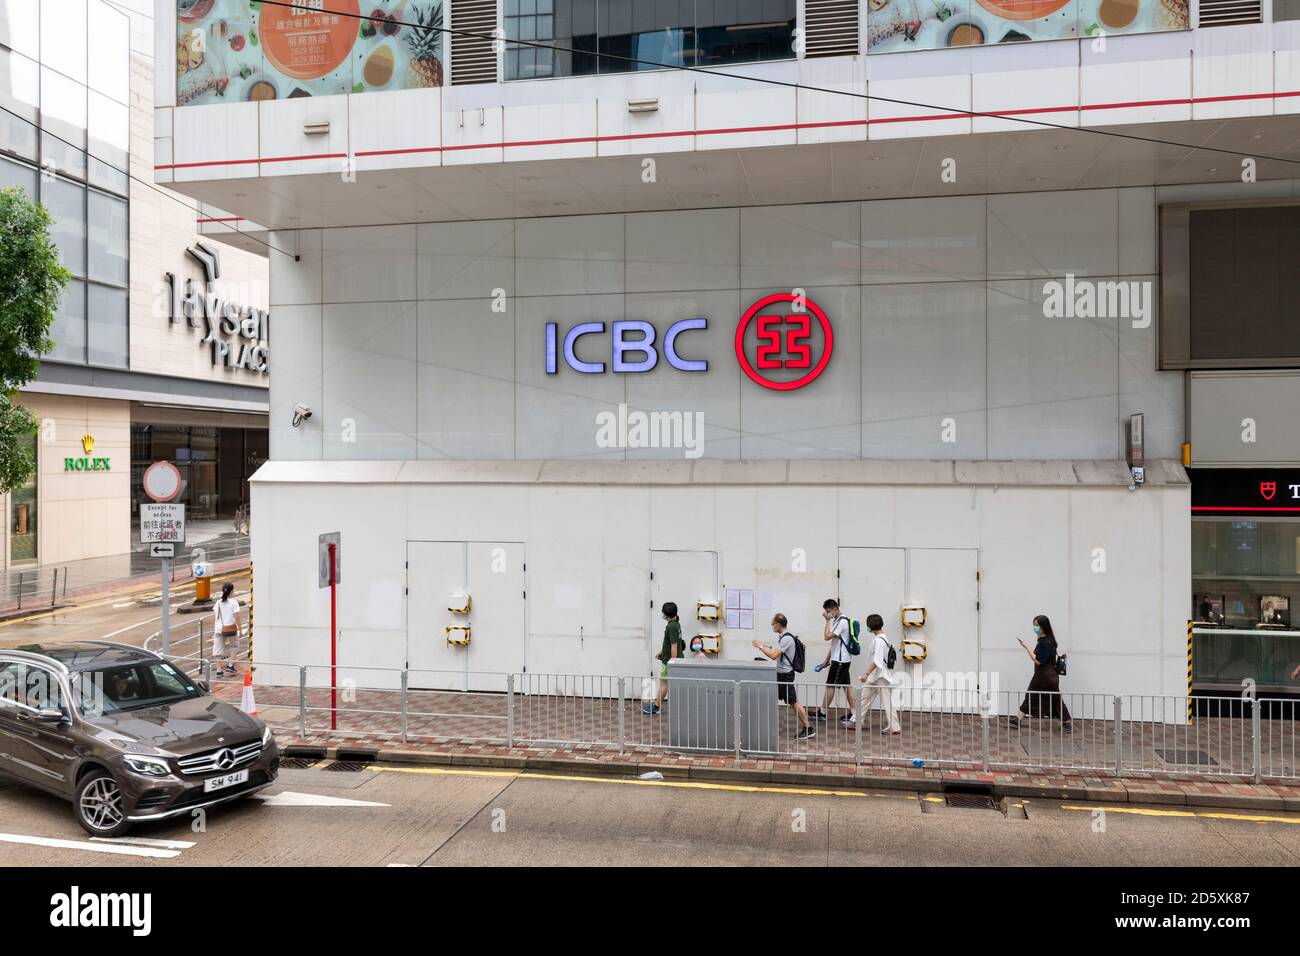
1111,567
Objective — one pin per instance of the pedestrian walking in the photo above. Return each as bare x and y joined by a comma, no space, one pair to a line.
1043,698
880,678
226,625
672,648
838,655
788,654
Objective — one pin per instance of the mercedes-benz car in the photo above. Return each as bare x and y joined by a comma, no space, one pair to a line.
125,735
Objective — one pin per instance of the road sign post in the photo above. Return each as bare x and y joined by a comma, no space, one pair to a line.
162,527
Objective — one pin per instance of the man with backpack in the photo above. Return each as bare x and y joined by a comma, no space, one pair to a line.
880,677
789,656
842,634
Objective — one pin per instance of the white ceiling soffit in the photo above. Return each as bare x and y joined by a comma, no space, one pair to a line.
1033,160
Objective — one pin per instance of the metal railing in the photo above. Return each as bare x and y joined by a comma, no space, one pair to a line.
26,589
1127,734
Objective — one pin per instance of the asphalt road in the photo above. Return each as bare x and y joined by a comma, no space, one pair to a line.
451,817
127,618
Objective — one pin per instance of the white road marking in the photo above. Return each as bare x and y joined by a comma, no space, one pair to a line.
94,847
142,841
131,627
288,798
124,604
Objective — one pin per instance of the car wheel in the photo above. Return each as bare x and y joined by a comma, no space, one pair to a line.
99,805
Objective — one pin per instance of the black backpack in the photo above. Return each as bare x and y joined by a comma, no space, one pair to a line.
891,655
797,662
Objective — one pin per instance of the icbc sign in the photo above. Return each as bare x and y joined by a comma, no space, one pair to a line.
785,340
790,351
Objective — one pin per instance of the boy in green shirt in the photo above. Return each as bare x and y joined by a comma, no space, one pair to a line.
673,647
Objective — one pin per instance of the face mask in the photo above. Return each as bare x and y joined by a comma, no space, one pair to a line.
1037,629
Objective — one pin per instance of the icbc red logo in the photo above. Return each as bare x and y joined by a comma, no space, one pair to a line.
785,340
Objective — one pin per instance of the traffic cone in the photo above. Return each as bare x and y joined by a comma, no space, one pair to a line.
246,702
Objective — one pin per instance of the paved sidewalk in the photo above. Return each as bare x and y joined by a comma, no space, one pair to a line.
80,580
459,728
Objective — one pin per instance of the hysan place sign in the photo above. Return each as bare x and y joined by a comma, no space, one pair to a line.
785,342
234,332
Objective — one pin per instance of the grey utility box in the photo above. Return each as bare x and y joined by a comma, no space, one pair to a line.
701,705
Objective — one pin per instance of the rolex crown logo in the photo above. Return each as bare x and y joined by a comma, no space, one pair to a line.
88,443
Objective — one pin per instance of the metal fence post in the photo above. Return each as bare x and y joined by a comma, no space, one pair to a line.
984,739
206,667
510,710
857,732
54,588
622,714
20,590
1255,746
405,694
200,637
302,701
1119,736
735,709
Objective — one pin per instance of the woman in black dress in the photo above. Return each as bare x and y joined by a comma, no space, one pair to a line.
1044,696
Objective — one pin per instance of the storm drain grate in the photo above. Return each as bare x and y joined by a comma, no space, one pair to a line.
970,801
346,766
297,763
1191,758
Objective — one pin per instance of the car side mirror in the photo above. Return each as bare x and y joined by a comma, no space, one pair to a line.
203,686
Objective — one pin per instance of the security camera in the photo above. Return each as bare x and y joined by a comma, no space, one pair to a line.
301,412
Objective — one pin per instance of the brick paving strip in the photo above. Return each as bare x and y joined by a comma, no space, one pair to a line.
458,729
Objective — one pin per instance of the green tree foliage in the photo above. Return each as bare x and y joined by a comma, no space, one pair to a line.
31,283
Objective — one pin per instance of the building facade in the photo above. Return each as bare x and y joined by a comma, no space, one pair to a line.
739,311
129,379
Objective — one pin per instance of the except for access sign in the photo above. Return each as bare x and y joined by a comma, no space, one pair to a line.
162,522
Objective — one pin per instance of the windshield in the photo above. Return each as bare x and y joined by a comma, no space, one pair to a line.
135,686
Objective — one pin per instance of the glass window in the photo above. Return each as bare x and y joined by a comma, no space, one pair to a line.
17,136
108,130
63,116
570,24
632,35
20,80
63,37
1286,9
18,174
22,512
107,177
638,36
109,69
106,221
20,26
107,344
66,204
19,84
745,32
69,328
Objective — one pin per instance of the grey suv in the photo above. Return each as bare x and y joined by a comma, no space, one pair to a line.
125,735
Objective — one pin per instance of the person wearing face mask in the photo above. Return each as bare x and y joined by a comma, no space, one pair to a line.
697,649
785,653
1044,696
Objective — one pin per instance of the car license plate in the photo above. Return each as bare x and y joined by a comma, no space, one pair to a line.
229,780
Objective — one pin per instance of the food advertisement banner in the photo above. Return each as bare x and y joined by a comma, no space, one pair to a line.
897,25
234,50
